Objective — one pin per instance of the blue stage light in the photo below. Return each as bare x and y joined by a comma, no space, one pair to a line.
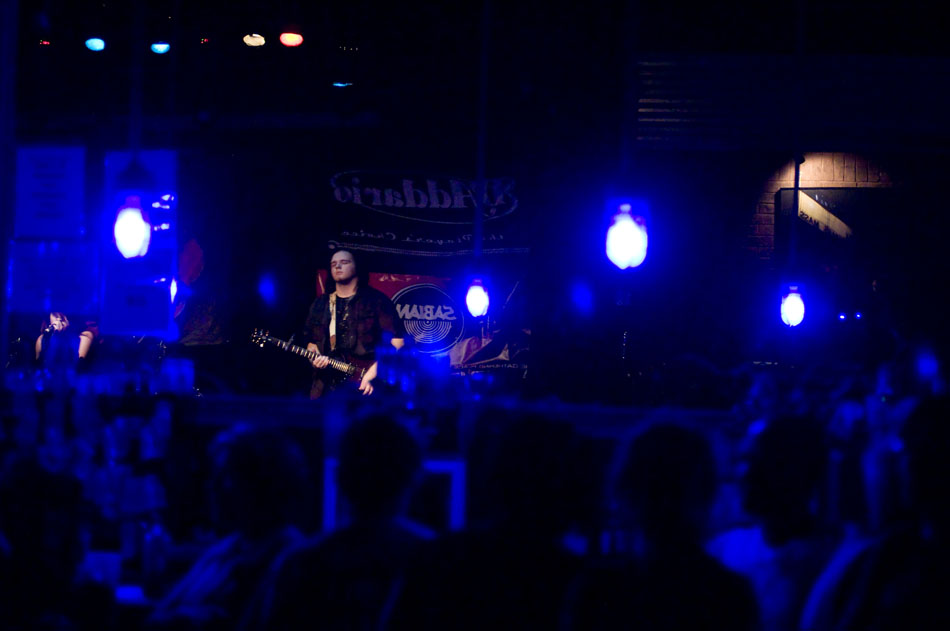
627,238
160,48
927,364
341,84
477,299
95,44
267,289
793,307
136,295
582,297
842,316
857,316
132,232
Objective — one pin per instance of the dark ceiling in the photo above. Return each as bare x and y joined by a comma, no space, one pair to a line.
419,58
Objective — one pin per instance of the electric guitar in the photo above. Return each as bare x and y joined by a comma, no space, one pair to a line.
351,368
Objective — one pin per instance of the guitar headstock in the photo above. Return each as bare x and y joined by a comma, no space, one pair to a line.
260,337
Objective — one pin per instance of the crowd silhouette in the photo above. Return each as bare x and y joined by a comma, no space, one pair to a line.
818,505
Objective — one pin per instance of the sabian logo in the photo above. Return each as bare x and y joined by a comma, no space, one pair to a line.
430,316
426,312
449,201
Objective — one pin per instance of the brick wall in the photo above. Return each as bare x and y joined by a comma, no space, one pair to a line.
820,170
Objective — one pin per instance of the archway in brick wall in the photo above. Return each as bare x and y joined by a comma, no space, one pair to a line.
820,170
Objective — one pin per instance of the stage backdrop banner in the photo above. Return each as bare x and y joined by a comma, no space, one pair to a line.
436,322
421,216
432,317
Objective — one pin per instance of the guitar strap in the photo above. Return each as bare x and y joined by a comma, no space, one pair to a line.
333,321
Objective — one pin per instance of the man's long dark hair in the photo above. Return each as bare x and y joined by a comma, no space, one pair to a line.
362,275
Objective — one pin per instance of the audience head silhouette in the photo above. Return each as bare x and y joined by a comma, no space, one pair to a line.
785,469
532,477
669,480
926,439
42,517
259,480
379,459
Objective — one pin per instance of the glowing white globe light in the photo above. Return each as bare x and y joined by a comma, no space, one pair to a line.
477,299
254,40
132,233
627,240
793,308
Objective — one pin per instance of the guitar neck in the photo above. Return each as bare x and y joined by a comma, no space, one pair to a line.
336,364
293,348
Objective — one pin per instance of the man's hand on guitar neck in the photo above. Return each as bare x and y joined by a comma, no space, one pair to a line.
320,361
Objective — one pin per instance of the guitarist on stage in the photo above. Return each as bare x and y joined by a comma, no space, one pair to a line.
349,323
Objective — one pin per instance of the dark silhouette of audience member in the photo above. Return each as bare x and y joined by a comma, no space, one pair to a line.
42,517
513,571
348,578
667,581
784,554
258,487
871,496
900,583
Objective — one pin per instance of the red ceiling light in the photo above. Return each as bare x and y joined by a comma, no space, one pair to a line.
291,39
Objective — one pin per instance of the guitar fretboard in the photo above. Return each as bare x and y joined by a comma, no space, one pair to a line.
334,363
